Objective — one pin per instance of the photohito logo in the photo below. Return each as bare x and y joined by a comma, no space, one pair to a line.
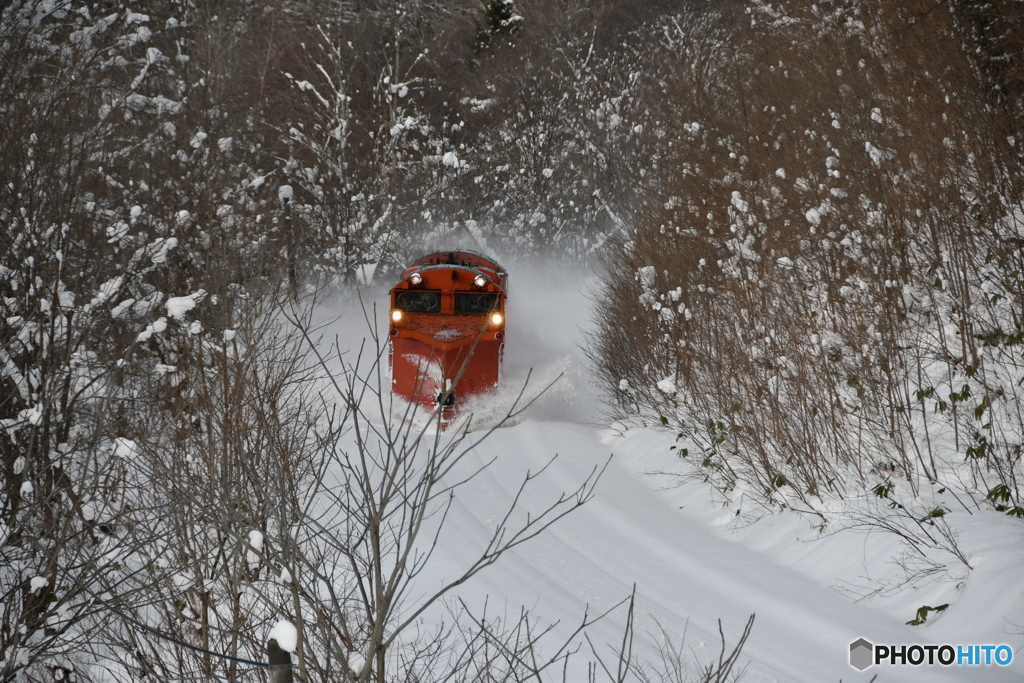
863,654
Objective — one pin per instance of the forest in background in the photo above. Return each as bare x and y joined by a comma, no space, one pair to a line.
807,218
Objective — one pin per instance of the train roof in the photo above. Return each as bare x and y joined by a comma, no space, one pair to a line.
461,259
458,257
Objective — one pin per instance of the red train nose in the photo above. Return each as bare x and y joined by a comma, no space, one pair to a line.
447,326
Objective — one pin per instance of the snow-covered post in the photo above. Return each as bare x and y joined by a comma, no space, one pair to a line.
280,669
281,640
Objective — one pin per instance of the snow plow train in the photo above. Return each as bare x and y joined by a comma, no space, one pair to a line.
447,330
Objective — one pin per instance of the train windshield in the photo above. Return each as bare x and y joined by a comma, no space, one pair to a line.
475,302
418,301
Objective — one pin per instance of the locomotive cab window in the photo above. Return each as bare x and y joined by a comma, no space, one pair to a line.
475,302
418,301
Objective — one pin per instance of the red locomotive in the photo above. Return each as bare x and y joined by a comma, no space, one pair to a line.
447,329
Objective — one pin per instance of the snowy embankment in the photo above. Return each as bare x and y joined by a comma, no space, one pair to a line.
691,566
693,559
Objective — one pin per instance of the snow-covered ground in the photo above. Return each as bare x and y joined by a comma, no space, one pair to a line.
692,560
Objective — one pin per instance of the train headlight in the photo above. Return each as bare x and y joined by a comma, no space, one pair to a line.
496,318
396,315
415,279
479,281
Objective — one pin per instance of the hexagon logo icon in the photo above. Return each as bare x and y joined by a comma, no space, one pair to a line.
861,654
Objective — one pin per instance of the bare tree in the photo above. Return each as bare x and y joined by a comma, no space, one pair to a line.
374,513
76,290
676,666
821,274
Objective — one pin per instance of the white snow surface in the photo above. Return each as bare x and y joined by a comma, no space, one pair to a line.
356,662
286,635
125,448
667,385
178,306
692,559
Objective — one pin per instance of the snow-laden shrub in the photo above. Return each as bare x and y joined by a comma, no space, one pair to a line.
824,285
